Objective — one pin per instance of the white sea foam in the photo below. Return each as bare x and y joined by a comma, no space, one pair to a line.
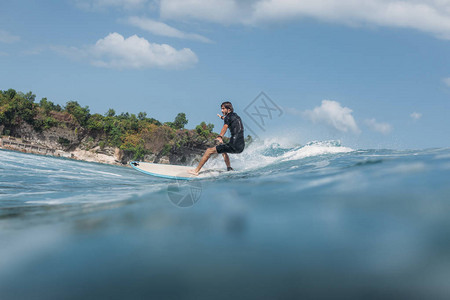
267,152
107,173
315,149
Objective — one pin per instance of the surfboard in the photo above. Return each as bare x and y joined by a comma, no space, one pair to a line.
170,171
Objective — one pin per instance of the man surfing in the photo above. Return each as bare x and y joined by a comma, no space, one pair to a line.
236,144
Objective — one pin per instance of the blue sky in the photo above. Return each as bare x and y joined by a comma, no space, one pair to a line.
372,74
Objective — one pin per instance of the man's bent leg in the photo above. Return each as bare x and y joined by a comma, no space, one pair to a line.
204,159
226,158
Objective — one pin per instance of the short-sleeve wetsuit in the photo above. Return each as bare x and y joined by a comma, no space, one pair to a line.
236,143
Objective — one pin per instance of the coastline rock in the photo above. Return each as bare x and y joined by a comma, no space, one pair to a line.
52,138
164,160
118,155
91,156
73,132
47,144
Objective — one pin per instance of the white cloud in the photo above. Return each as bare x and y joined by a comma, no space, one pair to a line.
220,11
293,111
163,29
115,51
383,128
446,81
416,115
6,37
334,115
35,51
431,16
102,4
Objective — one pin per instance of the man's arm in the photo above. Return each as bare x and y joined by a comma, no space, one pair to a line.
222,132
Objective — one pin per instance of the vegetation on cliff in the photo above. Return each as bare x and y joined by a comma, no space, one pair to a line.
137,135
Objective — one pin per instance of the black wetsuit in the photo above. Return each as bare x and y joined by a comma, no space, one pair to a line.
237,143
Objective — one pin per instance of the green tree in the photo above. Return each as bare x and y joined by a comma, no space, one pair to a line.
110,113
81,114
115,136
11,93
134,122
124,115
22,108
29,97
204,130
180,121
48,106
142,116
95,122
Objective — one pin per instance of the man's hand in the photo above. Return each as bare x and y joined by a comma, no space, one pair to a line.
219,139
220,116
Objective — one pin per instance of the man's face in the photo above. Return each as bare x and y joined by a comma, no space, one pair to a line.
225,111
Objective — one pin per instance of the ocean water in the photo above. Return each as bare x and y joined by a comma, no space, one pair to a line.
315,221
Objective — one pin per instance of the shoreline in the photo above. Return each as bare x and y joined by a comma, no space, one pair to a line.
110,156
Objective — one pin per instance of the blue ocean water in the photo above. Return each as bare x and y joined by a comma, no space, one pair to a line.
292,222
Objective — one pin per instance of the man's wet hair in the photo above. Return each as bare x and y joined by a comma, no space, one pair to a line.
227,105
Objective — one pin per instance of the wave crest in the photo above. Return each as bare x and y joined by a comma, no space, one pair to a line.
260,154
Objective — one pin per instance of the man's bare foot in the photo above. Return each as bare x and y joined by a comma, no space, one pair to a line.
193,172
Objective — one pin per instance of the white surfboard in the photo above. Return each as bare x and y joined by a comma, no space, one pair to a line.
171,171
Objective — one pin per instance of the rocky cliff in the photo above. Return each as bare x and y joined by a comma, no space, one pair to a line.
77,143
72,131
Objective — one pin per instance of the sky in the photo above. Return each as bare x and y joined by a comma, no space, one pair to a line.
371,74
